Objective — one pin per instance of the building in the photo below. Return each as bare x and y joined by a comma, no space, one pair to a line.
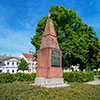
8,64
73,68
31,60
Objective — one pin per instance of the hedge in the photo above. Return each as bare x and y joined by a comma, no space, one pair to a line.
7,77
69,77
78,76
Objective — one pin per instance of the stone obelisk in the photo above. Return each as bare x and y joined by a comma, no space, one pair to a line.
49,58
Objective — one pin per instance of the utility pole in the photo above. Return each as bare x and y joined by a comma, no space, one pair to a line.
31,51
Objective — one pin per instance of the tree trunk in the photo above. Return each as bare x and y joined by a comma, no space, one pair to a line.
96,72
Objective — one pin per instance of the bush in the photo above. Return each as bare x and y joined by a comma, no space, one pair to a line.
70,77
7,77
78,76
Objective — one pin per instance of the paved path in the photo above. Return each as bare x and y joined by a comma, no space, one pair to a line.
95,82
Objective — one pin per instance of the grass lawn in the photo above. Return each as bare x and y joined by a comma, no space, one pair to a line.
23,91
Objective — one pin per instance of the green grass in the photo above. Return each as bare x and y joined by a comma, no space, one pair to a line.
23,91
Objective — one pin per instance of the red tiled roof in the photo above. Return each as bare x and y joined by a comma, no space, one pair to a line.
28,55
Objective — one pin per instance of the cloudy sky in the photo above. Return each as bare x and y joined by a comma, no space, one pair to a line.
19,18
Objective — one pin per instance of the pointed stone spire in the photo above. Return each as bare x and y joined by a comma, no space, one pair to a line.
49,15
49,37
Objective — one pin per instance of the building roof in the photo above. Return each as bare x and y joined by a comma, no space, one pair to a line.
3,58
29,56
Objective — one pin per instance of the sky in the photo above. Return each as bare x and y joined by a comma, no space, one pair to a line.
19,18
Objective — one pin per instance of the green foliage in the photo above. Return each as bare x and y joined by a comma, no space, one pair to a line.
78,76
77,40
70,77
24,91
7,77
23,65
96,72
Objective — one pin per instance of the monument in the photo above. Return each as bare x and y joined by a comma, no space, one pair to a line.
49,58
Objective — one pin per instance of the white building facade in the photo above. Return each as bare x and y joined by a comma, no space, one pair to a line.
9,65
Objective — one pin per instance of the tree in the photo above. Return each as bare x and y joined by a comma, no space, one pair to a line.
94,53
98,62
23,65
76,39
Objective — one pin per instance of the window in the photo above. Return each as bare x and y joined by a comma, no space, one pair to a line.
12,63
0,71
7,71
29,64
7,63
12,71
17,63
29,70
36,64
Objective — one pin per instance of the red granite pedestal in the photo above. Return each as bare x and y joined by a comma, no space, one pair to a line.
46,73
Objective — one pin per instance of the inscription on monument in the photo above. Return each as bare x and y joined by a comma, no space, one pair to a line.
55,58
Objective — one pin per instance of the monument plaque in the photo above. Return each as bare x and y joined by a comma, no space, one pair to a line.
55,58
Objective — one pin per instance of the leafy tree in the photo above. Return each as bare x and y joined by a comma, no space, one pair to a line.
23,65
94,53
98,61
77,40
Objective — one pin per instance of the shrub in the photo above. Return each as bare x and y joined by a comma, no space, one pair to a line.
7,77
78,76
70,77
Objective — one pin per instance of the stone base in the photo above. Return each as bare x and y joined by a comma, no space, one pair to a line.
56,86
53,86
48,82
